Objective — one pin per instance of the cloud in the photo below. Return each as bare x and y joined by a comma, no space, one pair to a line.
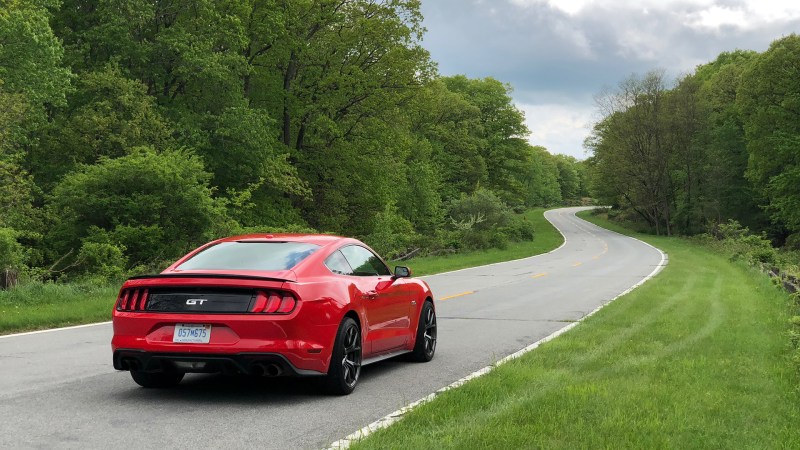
562,52
559,127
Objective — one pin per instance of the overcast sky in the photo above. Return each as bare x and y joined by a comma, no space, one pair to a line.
557,54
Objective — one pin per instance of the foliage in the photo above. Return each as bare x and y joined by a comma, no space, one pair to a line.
768,101
303,115
392,234
737,241
722,143
143,201
482,220
11,252
30,54
101,259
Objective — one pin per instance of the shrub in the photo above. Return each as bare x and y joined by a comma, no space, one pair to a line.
11,251
392,234
147,202
103,260
482,210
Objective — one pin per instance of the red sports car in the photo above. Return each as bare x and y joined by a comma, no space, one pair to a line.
272,305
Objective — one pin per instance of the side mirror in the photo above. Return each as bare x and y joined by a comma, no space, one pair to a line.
402,272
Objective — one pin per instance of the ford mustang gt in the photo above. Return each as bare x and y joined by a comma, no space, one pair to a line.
272,305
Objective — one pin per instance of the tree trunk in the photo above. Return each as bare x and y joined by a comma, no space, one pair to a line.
291,71
8,279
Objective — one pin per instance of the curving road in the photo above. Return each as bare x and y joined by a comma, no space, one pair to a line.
58,389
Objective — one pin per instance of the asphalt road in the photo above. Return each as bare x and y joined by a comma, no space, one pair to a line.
58,389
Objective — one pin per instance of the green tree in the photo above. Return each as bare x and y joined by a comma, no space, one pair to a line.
148,202
30,54
502,131
727,193
631,151
108,114
542,183
769,103
568,179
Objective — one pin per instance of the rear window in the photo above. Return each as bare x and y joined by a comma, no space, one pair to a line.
250,256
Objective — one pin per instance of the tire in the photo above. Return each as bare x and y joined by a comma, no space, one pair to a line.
345,366
425,345
157,379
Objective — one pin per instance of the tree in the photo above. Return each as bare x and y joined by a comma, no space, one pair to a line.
148,202
31,55
108,114
502,131
727,193
769,103
568,179
631,155
542,183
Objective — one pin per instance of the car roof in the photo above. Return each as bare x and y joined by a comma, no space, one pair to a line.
316,239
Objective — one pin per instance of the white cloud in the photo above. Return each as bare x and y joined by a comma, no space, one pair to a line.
719,16
558,53
560,128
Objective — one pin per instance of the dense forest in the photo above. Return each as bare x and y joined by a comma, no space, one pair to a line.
133,130
720,144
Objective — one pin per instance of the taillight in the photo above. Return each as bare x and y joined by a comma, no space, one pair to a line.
132,300
273,302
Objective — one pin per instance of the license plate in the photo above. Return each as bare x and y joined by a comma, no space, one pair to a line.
193,333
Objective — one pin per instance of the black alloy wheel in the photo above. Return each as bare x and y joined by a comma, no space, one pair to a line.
425,346
345,366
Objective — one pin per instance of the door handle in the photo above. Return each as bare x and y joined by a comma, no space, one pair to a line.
371,295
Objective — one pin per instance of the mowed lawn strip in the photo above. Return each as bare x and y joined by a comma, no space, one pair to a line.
546,238
47,305
697,357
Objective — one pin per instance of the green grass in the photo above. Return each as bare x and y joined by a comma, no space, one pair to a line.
697,357
47,305
546,238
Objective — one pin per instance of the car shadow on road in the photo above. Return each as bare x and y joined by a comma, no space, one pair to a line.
238,390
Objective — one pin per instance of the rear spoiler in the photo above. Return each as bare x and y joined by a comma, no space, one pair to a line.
208,275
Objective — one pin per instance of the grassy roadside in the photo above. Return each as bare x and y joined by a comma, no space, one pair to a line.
48,305
698,357
546,238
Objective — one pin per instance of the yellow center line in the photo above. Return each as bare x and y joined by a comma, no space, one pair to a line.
456,295
538,275
577,264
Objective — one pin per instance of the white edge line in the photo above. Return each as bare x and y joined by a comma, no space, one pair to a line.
512,260
54,329
395,416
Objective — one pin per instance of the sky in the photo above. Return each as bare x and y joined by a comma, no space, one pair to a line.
559,54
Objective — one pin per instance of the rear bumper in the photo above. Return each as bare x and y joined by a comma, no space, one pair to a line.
303,340
262,364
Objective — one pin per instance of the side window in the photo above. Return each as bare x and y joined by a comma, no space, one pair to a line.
364,262
337,264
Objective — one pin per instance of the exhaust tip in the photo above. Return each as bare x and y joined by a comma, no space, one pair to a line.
273,370
266,369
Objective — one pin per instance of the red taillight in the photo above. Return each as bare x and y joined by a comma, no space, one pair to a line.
132,300
122,304
261,301
287,304
272,302
142,301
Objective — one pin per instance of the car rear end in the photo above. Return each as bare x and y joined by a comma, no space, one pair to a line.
220,323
